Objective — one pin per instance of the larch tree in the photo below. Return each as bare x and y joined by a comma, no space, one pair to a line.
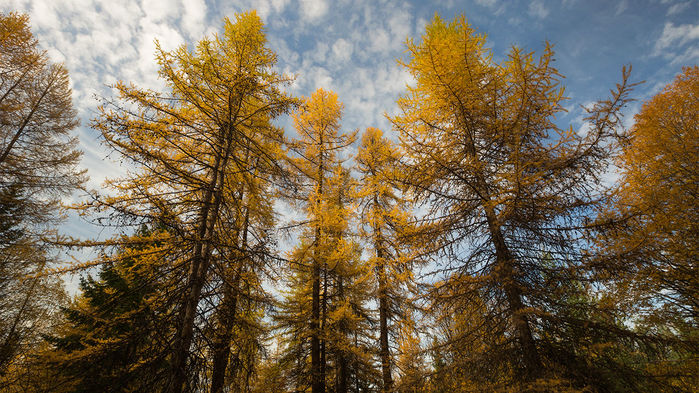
507,196
650,252
657,200
190,147
345,334
239,273
317,122
38,167
37,151
384,223
348,331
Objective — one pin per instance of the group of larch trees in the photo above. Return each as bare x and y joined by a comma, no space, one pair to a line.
479,247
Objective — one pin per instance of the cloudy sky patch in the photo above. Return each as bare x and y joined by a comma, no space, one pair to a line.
352,46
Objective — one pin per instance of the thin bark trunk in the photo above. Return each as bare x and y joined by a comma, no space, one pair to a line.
316,383
342,368
356,365
341,355
26,120
323,324
222,344
506,275
317,368
507,278
200,265
384,350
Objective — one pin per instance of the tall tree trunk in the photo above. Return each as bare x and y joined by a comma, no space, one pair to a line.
317,382
222,343
341,352
384,350
506,274
200,265
507,278
356,365
323,326
317,366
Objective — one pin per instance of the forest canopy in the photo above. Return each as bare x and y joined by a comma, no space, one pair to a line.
260,246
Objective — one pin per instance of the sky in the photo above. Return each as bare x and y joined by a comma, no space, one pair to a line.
351,47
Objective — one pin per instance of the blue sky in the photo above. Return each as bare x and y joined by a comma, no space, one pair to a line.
351,47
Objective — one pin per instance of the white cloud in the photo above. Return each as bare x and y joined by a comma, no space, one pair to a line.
538,9
689,56
194,18
380,41
621,7
673,41
400,23
676,36
160,10
315,77
168,39
678,8
320,53
43,13
487,3
279,5
342,49
121,12
313,9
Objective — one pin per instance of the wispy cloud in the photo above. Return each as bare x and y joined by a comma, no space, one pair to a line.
679,8
621,7
537,9
678,43
348,46
313,9
676,35
487,3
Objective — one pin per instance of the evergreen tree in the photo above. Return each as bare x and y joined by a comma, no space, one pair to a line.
116,332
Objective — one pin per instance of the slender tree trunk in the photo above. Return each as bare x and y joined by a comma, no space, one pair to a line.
384,350
356,365
507,278
222,344
323,325
506,274
222,341
25,121
317,368
317,381
194,283
341,353
200,265
227,314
